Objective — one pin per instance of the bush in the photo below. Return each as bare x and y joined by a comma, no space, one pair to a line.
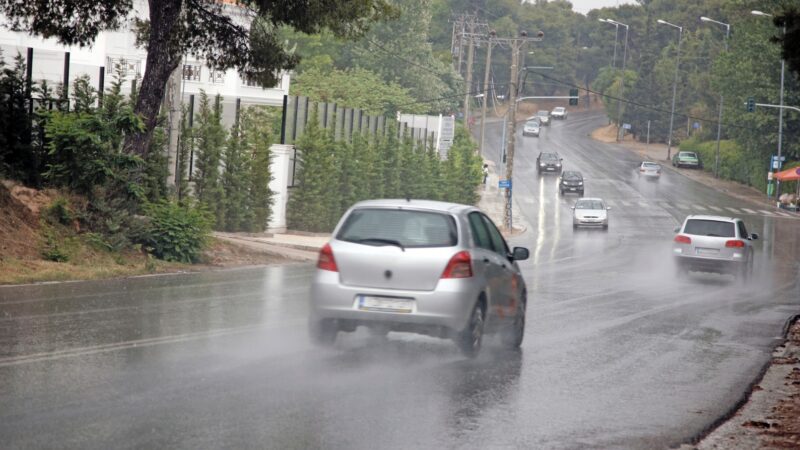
176,232
59,212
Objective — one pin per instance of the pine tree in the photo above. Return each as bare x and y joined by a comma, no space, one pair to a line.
311,203
16,158
209,139
390,162
236,180
184,149
259,136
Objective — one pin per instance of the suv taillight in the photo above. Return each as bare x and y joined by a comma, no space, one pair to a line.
681,239
734,243
459,266
326,260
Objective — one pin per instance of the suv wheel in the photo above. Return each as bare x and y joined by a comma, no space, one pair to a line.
471,338
512,337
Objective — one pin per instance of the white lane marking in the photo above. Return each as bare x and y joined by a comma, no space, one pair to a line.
769,213
644,204
715,208
748,211
624,203
700,207
733,210
81,351
784,214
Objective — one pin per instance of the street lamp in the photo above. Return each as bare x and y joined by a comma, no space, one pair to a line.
674,83
622,81
780,114
616,36
721,97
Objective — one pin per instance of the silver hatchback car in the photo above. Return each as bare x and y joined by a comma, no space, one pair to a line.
714,244
440,269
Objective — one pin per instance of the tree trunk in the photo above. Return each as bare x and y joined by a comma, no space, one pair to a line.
162,59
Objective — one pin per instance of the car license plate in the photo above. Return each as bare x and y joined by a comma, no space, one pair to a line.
707,251
573,189
387,304
551,168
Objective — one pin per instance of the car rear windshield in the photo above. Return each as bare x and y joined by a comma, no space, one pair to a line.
549,156
689,155
651,165
572,176
531,123
589,204
408,228
543,113
704,227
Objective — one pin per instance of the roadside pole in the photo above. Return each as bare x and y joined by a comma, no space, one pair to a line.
492,34
516,45
468,81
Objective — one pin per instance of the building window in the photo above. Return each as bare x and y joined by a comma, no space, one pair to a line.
129,67
191,72
217,76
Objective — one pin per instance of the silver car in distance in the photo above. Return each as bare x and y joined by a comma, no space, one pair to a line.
590,212
714,244
440,269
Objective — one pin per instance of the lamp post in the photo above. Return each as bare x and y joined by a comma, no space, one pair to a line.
622,80
674,83
721,97
616,36
780,114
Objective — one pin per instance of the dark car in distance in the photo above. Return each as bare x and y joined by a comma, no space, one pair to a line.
548,162
571,181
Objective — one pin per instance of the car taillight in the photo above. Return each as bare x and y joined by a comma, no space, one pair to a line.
681,239
641,170
734,243
326,260
460,266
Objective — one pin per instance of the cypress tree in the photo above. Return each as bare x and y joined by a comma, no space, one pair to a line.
209,140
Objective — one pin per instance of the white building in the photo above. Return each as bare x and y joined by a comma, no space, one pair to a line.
113,48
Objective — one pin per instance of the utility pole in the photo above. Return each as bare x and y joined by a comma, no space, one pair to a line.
487,70
516,44
468,78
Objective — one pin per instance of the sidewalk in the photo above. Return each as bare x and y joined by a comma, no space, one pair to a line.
493,203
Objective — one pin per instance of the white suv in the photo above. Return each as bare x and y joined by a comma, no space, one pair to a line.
559,112
714,244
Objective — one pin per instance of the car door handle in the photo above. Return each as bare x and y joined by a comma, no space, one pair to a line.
486,260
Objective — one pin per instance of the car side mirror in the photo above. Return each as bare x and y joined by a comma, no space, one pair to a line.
520,254
571,207
753,236
608,207
677,229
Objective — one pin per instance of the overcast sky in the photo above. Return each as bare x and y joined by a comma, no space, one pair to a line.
584,6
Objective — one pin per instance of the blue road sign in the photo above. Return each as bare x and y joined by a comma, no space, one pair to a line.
505,184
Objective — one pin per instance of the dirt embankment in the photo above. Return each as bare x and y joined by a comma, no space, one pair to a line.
19,221
25,237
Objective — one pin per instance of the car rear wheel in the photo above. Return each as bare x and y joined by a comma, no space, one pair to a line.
512,337
323,332
747,270
471,338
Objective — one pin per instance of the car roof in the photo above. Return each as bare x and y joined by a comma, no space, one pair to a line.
571,172
591,198
543,111
651,162
716,218
430,205
559,107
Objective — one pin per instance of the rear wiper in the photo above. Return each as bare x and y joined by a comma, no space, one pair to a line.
712,234
382,241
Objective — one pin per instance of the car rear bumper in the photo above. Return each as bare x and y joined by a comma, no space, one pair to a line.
590,222
712,265
530,133
449,306
576,189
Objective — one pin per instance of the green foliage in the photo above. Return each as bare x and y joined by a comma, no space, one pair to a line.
209,140
184,150
17,160
59,212
259,137
315,201
177,232
357,88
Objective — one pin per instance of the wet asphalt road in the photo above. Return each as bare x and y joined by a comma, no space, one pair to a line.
618,353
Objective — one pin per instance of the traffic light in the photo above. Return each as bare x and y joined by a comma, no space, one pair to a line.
573,97
751,104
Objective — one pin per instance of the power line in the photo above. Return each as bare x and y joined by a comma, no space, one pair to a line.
421,66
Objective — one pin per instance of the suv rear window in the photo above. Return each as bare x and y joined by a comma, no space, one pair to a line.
409,228
549,156
703,227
